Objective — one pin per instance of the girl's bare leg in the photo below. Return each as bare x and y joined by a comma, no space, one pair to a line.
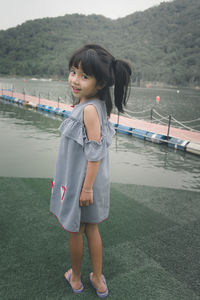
76,254
95,249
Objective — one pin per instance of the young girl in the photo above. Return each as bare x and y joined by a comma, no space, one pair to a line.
80,190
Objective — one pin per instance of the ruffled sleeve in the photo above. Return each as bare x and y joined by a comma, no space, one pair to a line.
73,129
94,150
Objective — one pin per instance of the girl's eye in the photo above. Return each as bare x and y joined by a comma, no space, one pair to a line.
85,76
72,72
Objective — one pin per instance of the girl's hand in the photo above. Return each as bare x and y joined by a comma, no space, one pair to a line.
86,197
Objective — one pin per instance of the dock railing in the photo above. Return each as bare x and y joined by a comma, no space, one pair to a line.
151,114
148,114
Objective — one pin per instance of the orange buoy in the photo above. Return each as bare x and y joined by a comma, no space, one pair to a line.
158,99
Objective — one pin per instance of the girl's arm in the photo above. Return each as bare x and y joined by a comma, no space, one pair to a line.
93,128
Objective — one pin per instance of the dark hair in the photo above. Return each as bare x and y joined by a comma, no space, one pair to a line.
97,61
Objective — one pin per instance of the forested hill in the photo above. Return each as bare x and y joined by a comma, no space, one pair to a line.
162,43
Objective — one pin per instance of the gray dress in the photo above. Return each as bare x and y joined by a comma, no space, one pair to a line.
75,151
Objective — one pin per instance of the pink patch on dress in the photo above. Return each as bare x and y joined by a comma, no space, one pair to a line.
64,190
52,183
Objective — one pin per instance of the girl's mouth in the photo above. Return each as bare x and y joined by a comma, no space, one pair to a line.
75,90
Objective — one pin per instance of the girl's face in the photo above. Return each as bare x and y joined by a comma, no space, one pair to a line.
83,86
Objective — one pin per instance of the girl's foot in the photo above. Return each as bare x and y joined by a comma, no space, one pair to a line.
99,284
74,282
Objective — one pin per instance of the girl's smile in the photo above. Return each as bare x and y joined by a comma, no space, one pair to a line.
83,86
75,90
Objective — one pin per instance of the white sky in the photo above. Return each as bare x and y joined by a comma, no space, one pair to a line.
15,12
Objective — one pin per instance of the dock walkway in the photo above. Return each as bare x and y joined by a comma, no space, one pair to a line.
178,138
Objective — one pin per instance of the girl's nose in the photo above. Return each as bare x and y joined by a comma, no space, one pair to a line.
75,79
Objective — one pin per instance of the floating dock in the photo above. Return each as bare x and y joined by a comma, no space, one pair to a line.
177,138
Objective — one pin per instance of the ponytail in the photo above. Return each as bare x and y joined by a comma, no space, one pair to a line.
122,72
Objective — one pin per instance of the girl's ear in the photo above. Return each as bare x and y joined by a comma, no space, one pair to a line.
100,86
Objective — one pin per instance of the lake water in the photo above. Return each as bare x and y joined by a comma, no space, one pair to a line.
30,139
183,104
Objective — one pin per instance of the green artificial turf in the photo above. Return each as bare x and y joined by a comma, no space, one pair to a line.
151,244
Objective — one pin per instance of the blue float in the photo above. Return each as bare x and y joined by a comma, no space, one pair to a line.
47,108
124,129
40,107
139,133
55,110
12,99
156,138
177,143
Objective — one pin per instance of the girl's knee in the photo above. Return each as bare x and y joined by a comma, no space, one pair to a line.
91,229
